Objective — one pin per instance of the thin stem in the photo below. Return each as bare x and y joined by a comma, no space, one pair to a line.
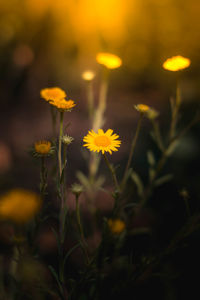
83,244
134,141
175,110
112,170
60,143
158,135
90,97
43,176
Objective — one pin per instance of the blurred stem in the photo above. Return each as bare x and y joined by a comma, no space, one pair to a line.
43,177
175,110
83,242
158,135
99,121
60,143
134,141
112,170
53,118
90,97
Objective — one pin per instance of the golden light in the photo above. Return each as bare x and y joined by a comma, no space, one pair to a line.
110,61
88,75
176,63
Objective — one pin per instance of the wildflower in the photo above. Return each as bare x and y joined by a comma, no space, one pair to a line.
102,141
43,147
88,75
77,189
54,94
19,205
116,226
67,140
142,108
176,63
63,105
110,61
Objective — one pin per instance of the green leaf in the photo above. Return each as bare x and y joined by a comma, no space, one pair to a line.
151,173
151,158
139,184
163,179
171,148
55,275
83,179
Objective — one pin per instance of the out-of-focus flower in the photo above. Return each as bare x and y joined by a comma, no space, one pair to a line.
116,225
102,141
19,205
77,189
53,94
67,140
43,147
110,61
62,104
142,108
176,63
88,75
152,113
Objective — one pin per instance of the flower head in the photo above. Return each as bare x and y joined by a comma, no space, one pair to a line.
176,63
43,147
77,189
67,140
19,205
88,75
142,108
54,93
110,61
116,226
102,141
62,104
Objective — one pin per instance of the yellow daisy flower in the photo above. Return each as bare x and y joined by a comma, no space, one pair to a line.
19,205
176,63
110,61
43,147
143,108
63,105
116,225
54,93
102,141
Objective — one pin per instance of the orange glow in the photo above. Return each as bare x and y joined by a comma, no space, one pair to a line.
109,60
176,63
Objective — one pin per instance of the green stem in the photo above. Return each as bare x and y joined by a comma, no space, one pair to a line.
60,142
158,135
43,177
83,242
112,170
134,141
175,111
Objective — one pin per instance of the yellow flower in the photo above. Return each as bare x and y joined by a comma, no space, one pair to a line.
116,225
110,61
63,105
176,63
88,75
43,147
102,141
143,108
19,205
54,93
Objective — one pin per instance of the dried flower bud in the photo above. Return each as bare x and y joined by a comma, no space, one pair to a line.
77,189
67,140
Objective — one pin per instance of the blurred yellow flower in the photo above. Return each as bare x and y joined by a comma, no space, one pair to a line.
143,108
152,113
102,141
88,75
110,61
62,104
54,93
43,147
116,225
176,63
19,205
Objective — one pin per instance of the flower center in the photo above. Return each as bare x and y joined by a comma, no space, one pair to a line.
102,141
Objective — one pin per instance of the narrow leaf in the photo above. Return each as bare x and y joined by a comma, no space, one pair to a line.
139,184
